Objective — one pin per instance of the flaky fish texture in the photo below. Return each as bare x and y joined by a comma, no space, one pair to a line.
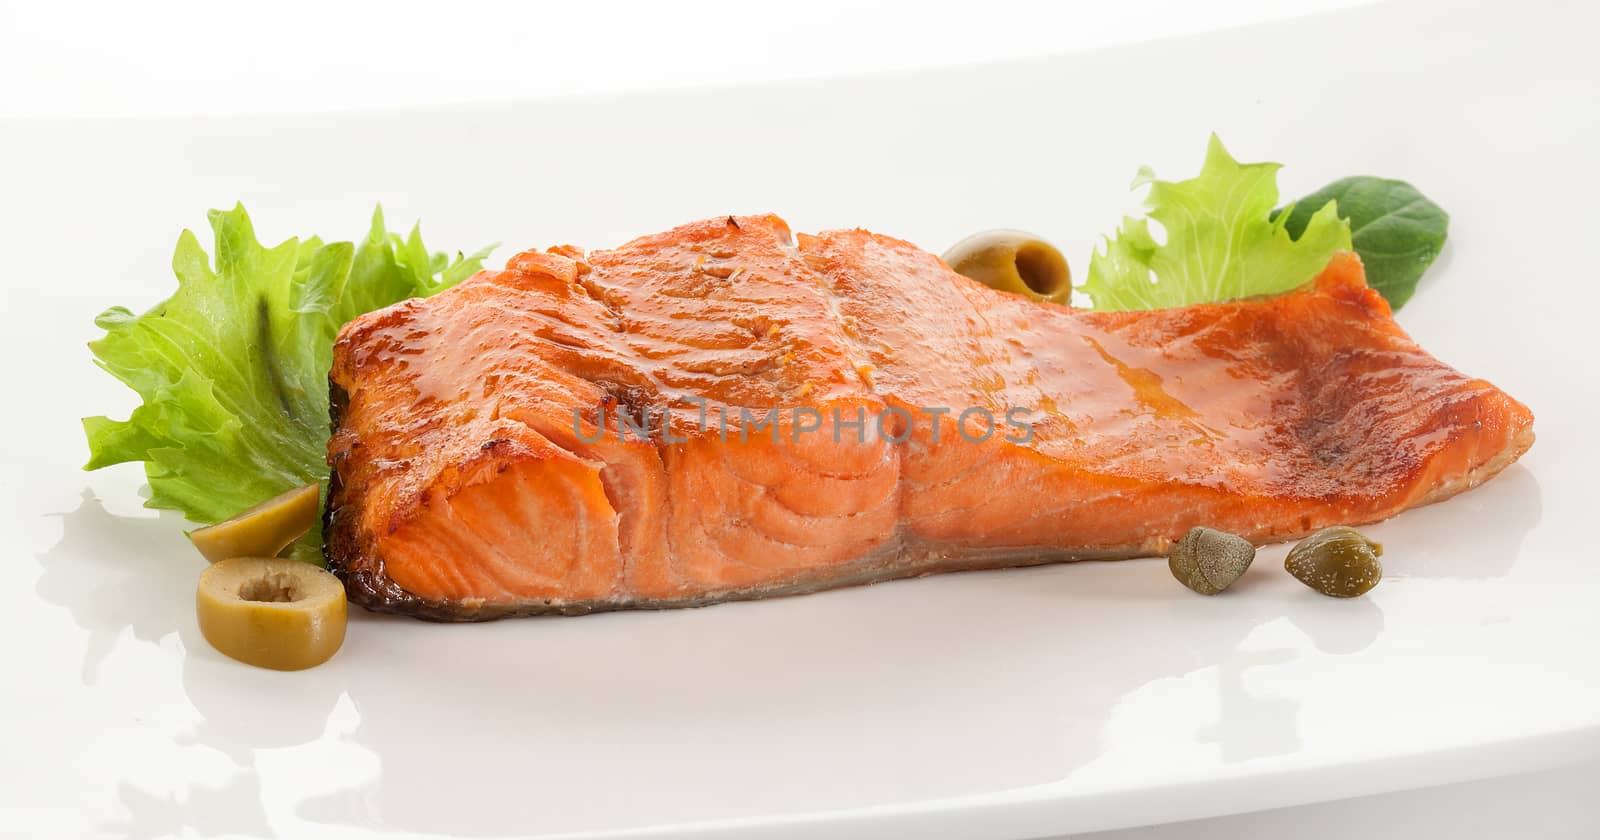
783,415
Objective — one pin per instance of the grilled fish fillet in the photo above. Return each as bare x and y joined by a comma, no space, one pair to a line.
773,425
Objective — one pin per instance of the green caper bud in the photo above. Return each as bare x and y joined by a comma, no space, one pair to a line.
1336,561
1013,261
1209,561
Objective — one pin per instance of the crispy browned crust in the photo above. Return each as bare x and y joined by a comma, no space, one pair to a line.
350,555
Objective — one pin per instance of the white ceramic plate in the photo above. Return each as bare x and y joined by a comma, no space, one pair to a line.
1008,704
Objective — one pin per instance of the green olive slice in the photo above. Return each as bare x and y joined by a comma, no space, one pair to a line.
271,612
263,530
1013,261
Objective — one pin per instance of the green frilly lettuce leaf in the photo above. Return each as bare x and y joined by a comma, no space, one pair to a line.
233,368
1221,240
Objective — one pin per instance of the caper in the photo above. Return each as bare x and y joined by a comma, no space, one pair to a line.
271,612
1209,561
261,530
1013,261
1336,561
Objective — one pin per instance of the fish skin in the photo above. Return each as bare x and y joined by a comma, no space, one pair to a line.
463,488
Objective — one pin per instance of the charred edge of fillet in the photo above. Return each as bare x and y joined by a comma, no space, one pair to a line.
364,581
338,402
335,546
905,562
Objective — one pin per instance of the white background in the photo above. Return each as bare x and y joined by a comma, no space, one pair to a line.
71,60
135,59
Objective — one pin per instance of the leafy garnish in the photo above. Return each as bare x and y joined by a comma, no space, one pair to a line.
1222,241
233,368
1397,231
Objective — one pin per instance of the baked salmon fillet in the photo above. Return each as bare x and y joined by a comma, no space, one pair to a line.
725,411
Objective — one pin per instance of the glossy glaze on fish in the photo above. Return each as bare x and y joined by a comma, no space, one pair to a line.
471,479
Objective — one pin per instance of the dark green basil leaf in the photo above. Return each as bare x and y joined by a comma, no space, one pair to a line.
1396,230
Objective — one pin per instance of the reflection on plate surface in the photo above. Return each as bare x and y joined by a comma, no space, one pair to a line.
431,729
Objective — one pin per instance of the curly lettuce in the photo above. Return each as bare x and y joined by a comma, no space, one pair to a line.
1222,240
233,368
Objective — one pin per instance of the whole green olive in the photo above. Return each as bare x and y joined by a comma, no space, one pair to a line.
1209,561
1336,561
1013,261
